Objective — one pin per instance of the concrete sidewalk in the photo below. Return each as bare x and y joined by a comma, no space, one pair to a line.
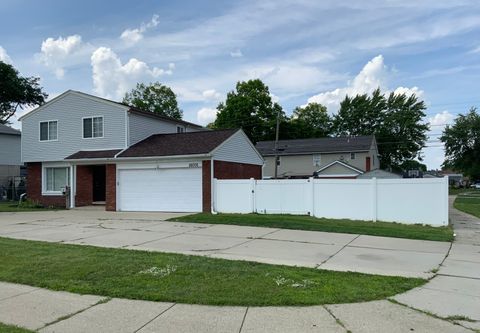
147,231
61,312
455,291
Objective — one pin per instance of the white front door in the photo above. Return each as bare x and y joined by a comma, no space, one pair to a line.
168,190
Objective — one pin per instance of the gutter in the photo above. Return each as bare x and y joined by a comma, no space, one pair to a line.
133,159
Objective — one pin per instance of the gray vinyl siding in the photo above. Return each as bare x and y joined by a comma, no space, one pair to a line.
239,149
10,149
69,110
141,127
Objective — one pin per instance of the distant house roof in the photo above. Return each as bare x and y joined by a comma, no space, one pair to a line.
87,154
380,174
190,143
317,145
4,129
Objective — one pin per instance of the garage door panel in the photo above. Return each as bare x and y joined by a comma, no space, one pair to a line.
173,190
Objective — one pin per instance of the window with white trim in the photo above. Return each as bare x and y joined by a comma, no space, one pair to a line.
55,179
317,160
48,130
180,129
93,127
352,156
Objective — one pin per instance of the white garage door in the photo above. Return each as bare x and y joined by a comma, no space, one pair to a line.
168,190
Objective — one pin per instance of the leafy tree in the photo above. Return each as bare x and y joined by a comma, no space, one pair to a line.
413,165
462,144
156,98
17,91
251,108
395,120
311,121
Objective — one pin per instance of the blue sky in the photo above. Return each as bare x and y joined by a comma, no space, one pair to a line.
303,50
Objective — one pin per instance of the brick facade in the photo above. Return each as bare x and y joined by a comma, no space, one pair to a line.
84,195
111,187
225,170
34,188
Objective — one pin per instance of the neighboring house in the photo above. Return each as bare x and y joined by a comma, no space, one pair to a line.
341,157
379,174
10,154
108,152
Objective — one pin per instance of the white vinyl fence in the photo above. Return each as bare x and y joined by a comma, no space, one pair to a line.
413,200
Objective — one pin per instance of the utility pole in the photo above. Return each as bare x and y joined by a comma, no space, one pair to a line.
276,143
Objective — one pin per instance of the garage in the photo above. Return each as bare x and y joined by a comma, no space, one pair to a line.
160,189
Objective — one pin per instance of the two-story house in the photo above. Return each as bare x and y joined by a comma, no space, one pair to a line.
339,157
10,154
104,152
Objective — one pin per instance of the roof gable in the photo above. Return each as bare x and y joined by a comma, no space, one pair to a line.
76,93
340,168
316,145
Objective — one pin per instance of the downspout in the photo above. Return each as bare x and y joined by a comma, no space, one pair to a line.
212,186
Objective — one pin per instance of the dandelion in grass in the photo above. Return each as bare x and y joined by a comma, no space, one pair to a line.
159,271
280,281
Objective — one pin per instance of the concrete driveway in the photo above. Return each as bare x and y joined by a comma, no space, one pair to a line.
149,231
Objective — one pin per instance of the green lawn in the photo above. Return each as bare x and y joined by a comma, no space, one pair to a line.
469,203
12,206
185,279
300,222
12,329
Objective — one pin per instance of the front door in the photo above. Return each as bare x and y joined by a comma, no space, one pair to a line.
98,176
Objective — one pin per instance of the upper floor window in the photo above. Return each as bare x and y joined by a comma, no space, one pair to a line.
180,129
93,127
48,130
317,160
352,156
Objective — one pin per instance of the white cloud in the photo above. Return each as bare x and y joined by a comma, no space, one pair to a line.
4,56
211,95
132,36
236,54
111,79
372,76
55,52
206,115
441,119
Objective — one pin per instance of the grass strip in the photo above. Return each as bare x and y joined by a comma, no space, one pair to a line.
179,278
300,222
469,204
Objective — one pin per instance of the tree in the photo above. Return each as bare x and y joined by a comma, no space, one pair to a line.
396,121
251,108
156,98
17,91
413,165
311,121
462,144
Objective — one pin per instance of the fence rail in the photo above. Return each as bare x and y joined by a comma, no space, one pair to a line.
392,200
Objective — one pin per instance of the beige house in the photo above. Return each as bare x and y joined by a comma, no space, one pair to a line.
341,157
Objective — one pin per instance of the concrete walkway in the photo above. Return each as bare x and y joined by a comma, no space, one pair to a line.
61,312
147,231
454,292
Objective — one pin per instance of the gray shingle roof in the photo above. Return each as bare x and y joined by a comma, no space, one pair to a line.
87,154
4,129
317,145
191,143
